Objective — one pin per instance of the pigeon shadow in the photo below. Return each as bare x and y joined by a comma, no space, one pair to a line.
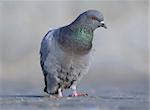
23,96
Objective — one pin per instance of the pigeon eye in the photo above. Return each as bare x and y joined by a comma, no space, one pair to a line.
93,18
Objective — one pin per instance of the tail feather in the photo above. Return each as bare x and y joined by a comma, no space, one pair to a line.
51,84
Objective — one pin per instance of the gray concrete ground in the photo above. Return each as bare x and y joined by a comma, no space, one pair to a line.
31,102
133,96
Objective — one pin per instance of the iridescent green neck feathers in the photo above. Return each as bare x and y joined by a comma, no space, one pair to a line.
77,40
82,36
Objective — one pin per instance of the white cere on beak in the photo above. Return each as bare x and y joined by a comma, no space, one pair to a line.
102,22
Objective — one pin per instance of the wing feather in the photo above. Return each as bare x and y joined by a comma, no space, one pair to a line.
44,50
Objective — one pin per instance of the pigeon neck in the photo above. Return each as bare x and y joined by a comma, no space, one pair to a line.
83,35
78,39
76,25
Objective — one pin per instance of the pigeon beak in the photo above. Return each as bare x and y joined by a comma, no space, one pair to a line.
103,24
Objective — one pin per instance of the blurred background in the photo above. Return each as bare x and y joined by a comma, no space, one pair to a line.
120,59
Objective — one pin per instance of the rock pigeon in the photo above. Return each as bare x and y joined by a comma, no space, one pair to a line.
65,53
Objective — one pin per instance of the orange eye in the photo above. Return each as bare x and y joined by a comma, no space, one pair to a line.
93,17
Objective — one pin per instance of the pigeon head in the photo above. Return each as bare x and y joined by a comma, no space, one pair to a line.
91,19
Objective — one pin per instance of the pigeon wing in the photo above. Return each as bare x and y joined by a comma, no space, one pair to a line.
45,49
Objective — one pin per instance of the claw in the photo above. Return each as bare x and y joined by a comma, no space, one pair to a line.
82,94
77,95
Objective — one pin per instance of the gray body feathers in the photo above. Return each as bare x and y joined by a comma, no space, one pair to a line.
61,69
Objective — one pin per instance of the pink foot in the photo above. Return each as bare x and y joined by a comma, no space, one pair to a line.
75,94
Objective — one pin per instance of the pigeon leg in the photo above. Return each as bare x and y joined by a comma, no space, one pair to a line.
60,92
75,93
